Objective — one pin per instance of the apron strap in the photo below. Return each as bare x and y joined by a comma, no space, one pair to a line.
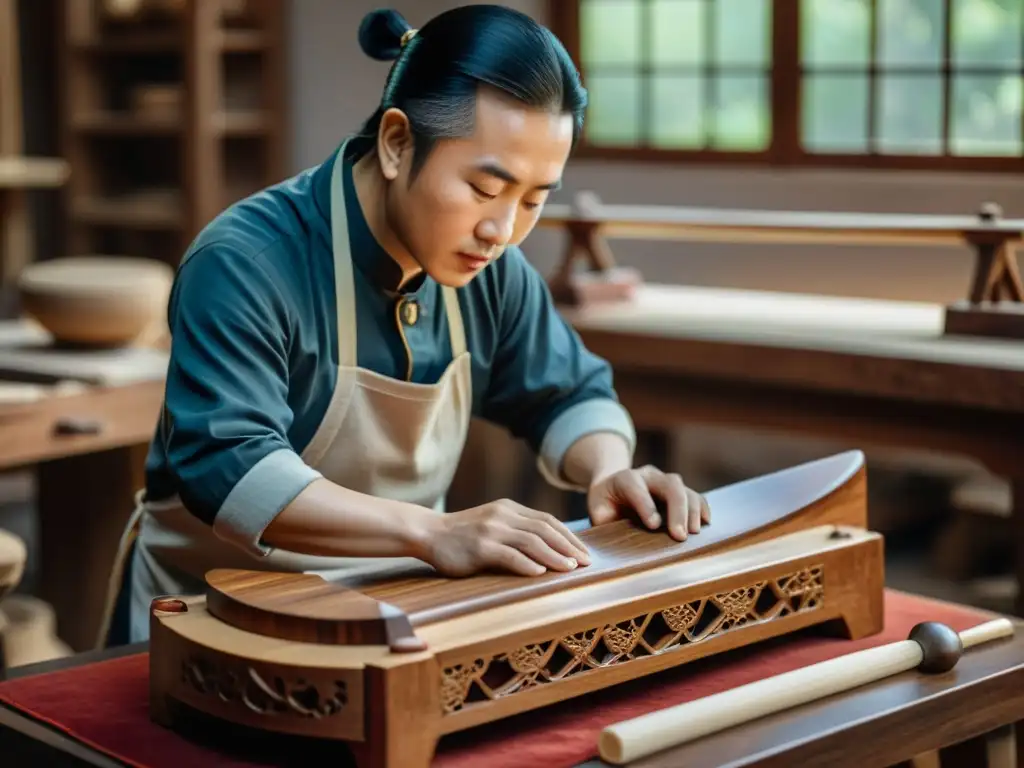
117,572
344,282
455,327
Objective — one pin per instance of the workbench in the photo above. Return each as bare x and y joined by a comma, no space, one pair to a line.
92,710
85,488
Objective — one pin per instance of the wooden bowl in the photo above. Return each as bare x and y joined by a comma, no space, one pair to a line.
96,300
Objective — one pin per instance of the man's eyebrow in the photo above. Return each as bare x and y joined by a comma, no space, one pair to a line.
497,171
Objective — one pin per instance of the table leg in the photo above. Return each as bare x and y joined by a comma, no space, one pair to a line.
1001,747
83,504
995,749
1017,527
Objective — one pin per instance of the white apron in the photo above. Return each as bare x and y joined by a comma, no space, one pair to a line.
380,436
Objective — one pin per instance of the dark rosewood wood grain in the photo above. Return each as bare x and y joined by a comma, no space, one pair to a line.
305,608
353,611
805,496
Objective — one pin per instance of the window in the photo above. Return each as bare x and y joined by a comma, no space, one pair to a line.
884,83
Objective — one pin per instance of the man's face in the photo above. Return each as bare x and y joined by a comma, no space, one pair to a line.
474,196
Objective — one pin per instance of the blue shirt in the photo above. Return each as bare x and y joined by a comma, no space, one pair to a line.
253,362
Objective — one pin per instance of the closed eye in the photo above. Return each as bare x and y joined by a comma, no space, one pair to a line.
482,193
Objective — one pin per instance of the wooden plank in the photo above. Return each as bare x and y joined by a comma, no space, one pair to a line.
18,172
737,225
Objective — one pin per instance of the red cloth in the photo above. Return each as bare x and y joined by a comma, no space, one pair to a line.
105,705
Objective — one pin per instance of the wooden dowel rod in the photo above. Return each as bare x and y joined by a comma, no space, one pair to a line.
642,736
609,217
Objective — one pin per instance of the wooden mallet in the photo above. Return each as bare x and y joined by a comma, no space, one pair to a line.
932,648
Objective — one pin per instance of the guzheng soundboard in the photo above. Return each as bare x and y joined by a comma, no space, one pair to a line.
389,663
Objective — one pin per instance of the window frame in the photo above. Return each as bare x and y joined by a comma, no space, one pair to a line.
785,81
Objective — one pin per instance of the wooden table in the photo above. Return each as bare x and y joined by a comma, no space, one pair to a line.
875,373
969,720
965,715
85,489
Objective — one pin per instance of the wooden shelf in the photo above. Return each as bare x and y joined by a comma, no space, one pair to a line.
236,123
152,43
125,124
189,103
241,41
19,172
128,212
242,123
163,43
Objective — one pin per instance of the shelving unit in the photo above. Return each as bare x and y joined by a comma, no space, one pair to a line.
18,173
173,109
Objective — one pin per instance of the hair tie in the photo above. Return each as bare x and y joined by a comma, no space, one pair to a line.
408,35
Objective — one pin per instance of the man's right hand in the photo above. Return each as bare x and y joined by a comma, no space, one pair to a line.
502,536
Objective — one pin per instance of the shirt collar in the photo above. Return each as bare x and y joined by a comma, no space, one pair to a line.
367,254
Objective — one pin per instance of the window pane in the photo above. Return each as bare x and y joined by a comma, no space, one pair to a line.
909,116
910,32
741,114
835,113
613,116
677,112
835,33
742,32
986,115
610,32
987,32
677,31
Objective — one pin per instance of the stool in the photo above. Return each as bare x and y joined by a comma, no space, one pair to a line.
27,624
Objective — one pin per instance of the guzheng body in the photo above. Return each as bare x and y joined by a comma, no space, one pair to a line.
389,663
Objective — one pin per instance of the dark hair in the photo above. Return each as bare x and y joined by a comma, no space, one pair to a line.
439,70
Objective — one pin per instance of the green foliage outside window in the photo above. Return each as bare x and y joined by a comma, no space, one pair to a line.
696,75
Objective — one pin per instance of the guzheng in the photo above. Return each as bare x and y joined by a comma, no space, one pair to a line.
391,662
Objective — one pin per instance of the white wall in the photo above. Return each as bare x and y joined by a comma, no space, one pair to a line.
334,87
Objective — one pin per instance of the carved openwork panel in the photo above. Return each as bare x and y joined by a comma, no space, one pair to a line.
649,634
275,697
264,693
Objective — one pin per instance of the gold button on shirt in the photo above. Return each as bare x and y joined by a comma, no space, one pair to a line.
410,311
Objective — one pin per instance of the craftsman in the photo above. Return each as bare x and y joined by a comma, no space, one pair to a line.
334,334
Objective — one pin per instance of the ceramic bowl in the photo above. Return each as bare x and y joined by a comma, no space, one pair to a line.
106,301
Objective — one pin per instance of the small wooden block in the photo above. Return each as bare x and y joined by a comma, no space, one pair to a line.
997,320
611,285
70,425
306,608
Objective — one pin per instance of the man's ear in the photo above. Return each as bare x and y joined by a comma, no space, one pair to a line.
394,142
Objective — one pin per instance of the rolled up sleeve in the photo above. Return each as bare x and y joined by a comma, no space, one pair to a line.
226,414
545,387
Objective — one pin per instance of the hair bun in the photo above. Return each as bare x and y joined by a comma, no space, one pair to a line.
380,34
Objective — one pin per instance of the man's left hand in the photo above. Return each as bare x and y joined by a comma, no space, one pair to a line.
611,498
